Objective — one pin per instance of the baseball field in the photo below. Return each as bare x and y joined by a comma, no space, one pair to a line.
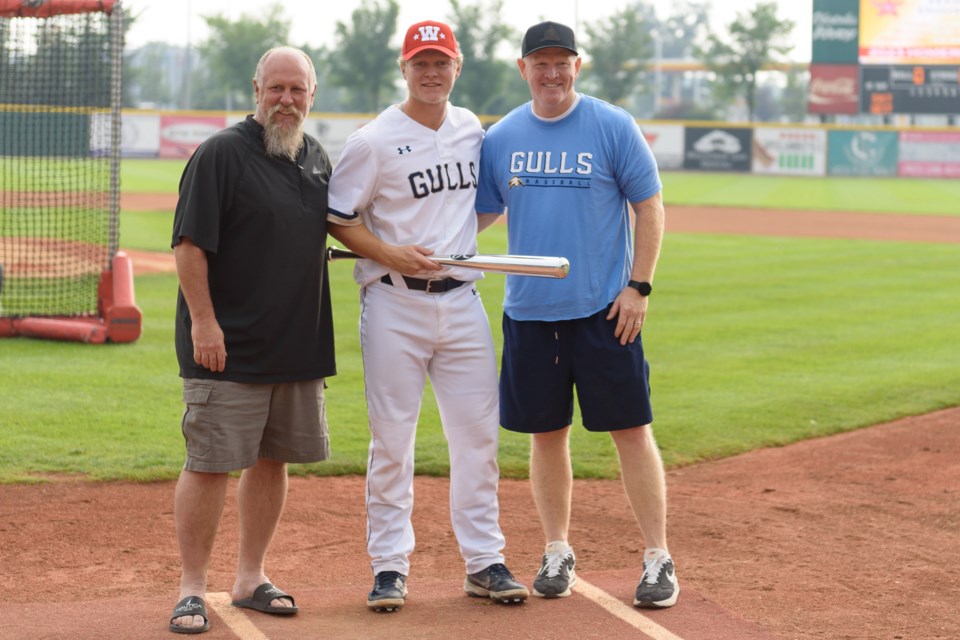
790,317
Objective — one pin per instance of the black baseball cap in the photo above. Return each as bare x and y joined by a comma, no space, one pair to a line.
548,34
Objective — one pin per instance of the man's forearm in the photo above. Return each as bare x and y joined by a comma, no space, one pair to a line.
407,259
648,237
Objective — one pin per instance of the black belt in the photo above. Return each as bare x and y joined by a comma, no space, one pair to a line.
441,285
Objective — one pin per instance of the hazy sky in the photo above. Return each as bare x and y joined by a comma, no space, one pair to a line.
313,21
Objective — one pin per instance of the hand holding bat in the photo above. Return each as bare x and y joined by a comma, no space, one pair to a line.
539,266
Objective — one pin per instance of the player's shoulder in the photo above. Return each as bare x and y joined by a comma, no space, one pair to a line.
462,116
375,129
376,138
388,122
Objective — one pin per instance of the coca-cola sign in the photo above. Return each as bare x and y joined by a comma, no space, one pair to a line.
834,88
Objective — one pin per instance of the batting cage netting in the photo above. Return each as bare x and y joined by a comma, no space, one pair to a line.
60,63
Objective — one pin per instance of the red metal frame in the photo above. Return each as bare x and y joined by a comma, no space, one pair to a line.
48,8
120,319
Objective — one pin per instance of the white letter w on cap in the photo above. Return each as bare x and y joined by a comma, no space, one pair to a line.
428,33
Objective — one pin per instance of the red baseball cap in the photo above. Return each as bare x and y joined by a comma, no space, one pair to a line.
430,35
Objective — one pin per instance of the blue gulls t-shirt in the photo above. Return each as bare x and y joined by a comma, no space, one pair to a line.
566,185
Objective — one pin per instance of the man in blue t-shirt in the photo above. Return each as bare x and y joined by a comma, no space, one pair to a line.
569,170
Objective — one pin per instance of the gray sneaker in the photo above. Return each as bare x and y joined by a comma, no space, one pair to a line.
658,586
495,582
389,590
557,573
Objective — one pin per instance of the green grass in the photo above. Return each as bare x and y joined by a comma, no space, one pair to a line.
911,196
146,230
759,342
753,342
142,175
879,195
81,225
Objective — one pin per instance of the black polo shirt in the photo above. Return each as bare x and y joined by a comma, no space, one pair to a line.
262,222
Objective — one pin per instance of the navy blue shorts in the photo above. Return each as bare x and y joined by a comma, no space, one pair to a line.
544,361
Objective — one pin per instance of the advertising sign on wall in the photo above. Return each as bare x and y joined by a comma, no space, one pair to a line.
797,152
717,149
180,135
930,154
909,32
139,134
862,153
836,26
833,88
666,142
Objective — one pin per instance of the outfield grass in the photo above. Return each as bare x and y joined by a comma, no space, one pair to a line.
910,196
752,341
880,195
150,176
146,230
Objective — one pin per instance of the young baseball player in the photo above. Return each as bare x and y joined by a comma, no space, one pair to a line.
403,189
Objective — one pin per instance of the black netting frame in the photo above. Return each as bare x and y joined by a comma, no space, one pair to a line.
59,160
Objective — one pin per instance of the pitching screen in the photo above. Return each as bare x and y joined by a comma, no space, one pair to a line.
58,201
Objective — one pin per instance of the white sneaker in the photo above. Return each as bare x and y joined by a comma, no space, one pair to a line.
658,586
557,573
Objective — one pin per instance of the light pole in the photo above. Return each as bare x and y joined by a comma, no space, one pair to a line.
657,72
188,65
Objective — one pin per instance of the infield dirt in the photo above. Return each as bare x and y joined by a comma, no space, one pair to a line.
851,537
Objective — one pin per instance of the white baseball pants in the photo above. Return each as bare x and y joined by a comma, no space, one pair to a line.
407,335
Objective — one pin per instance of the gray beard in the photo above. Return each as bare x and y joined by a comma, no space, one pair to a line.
283,142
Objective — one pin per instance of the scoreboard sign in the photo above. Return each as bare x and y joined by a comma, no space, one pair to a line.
889,89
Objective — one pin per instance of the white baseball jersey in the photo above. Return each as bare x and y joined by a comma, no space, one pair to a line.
410,185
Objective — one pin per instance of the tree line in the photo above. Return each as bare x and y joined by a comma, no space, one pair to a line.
627,62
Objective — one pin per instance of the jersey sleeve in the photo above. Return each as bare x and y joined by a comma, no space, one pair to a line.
489,199
640,178
353,183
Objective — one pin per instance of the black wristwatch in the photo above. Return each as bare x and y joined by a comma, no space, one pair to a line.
643,288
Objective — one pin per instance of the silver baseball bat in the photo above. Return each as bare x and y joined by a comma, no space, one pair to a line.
539,266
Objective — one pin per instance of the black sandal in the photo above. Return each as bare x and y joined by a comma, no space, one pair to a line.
190,606
263,596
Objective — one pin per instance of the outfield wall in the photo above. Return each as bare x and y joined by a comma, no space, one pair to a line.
797,150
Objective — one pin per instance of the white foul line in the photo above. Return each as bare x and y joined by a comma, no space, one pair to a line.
246,630
628,614
233,617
